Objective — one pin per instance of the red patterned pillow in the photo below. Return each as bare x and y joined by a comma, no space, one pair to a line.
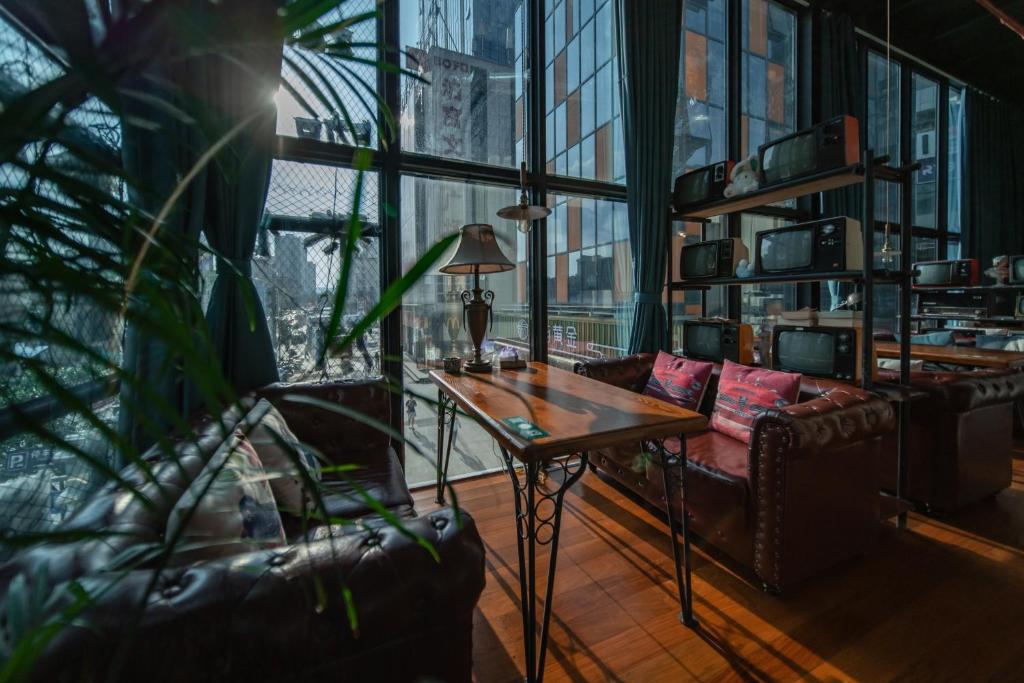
679,381
744,393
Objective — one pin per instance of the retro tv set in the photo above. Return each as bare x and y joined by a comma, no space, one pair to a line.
827,146
830,245
831,352
1016,267
718,340
949,273
712,258
701,185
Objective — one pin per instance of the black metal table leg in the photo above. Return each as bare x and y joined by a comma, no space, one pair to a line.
538,522
445,405
683,577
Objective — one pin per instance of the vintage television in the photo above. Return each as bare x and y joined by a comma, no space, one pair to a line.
718,340
701,185
827,146
823,246
1016,267
952,273
713,258
1018,311
832,352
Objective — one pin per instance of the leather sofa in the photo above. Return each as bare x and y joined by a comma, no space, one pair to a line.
961,437
276,614
801,497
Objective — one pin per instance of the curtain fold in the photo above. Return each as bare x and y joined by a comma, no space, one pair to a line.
648,35
240,88
993,178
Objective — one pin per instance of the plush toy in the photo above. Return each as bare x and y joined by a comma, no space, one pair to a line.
744,269
743,178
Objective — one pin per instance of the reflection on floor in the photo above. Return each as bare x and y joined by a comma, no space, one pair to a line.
942,601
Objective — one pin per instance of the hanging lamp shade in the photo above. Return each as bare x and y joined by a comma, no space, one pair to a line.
478,252
523,213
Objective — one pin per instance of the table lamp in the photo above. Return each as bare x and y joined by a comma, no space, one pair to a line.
478,253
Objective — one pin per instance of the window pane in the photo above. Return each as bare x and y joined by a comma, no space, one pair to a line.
590,290
584,83
955,144
924,127
700,110
884,129
768,73
761,303
297,264
432,326
306,116
468,106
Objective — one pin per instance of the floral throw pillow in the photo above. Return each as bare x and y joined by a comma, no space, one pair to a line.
679,381
745,393
228,509
282,455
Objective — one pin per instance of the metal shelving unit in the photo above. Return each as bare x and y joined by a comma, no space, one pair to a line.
864,173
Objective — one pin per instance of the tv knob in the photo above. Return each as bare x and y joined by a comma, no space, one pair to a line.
844,348
844,337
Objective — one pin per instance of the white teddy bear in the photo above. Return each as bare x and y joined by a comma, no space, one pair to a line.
743,178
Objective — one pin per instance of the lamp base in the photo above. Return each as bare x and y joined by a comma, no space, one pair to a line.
473,366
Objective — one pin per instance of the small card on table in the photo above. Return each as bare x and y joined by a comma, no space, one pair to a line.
525,428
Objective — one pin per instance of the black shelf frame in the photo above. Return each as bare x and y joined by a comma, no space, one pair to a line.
865,173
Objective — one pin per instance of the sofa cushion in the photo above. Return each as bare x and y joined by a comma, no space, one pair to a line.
282,455
679,381
745,393
228,509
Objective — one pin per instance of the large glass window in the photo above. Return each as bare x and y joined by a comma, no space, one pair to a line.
700,128
582,117
924,127
884,129
954,158
590,278
432,320
469,101
301,113
769,73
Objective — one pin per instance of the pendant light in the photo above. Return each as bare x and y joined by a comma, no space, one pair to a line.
524,213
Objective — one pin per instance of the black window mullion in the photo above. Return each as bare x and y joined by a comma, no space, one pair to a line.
537,262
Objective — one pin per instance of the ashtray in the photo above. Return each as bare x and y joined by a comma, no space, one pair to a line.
452,364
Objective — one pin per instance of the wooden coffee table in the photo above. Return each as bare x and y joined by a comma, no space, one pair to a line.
578,414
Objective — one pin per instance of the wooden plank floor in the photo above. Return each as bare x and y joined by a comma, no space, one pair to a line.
944,601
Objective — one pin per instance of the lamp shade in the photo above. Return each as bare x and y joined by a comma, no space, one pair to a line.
478,252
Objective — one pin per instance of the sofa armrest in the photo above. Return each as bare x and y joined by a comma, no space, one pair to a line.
627,372
842,416
814,474
965,391
331,431
257,616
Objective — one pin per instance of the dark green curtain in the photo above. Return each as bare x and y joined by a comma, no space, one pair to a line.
993,178
240,87
648,34
840,92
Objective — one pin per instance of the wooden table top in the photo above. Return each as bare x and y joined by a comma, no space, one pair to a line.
956,355
578,413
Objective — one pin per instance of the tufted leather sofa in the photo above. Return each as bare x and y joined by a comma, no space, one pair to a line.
800,498
274,614
961,436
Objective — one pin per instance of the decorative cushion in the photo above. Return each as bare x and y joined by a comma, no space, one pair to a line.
941,338
679,381
894,364
744,393
1000,342
282,455
232,507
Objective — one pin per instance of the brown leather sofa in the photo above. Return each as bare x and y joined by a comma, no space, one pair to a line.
961,437
273,614
801,497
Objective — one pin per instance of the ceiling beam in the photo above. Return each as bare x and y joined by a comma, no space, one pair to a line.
1004,18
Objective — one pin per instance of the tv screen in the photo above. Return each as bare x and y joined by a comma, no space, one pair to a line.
704,340
808,352
1017,268
789,159
694,188
786,250
700,260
